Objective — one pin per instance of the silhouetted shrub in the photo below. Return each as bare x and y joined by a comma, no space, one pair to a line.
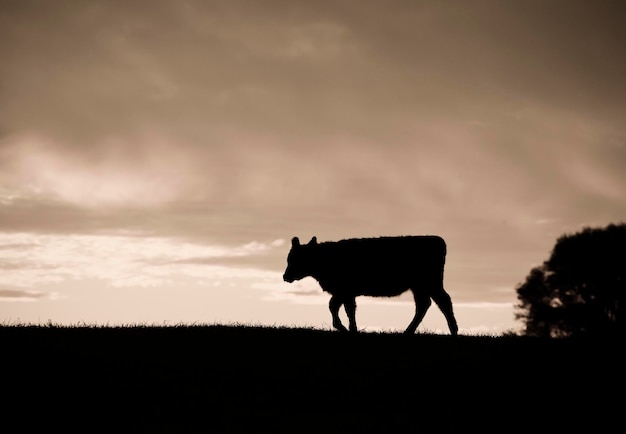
579,290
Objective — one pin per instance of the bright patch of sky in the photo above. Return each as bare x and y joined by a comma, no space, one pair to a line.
29,260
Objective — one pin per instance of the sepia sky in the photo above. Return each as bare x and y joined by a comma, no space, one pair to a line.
156,157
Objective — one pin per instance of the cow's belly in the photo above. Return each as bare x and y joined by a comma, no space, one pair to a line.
371,288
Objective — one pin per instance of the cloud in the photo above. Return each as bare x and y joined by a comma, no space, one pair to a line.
193,68
306,291
106,174
121,260
184,67
257,261
25,295
304,39
259,108
253,255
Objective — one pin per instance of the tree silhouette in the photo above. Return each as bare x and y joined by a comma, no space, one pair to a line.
580,289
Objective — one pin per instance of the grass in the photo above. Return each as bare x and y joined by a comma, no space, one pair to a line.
245,378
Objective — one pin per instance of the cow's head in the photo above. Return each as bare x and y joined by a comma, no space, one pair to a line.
300,260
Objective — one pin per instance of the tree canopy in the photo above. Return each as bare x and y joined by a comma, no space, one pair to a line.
579,290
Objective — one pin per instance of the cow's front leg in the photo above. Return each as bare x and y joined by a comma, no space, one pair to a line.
350,306
334,305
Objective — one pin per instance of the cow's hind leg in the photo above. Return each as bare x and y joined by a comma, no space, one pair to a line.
443,300
422,303
350,307
334,305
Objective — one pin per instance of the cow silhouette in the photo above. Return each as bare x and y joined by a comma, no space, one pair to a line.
377,267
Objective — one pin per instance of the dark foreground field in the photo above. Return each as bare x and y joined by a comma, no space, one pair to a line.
260,379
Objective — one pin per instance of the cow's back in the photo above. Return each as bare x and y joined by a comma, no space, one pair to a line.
425,247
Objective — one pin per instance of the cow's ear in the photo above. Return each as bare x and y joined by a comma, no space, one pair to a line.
295,242
313,241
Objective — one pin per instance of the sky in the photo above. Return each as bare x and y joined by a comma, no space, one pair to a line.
157,157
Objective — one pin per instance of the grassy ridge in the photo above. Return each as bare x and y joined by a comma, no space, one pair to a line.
243,378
